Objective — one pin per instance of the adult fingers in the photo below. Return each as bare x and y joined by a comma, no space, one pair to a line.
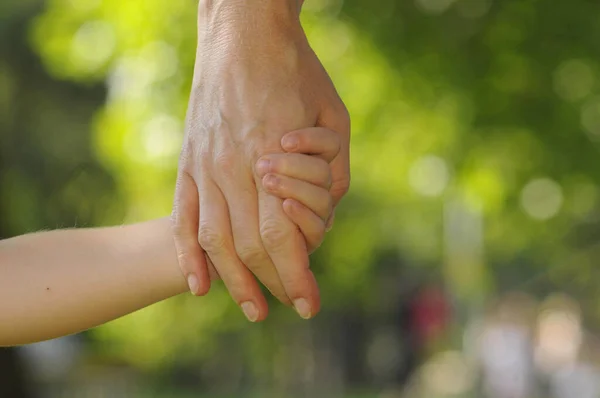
320,141
287,249
295,165
312,226
212,271
315,198
242,201
215,238
185,220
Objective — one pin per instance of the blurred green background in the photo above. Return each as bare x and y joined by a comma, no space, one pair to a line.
475,164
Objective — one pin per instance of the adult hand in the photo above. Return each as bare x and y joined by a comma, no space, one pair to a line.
256,78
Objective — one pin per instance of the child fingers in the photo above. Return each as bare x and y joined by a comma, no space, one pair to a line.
315,198
311,225
319,141
295,165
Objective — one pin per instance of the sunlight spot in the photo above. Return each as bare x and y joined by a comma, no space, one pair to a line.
161,60
429,176
447,374
162,137
558,340
573,80
130,79
542,198
340,37
93,44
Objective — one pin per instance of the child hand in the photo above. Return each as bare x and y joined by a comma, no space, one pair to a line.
303,179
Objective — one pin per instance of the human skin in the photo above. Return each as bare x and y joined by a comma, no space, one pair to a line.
255,79
61,282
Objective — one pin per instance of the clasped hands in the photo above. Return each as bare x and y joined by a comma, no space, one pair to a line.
265,158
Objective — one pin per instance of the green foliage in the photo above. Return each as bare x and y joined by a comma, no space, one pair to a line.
449,99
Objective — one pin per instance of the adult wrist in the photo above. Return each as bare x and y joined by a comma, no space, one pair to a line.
238,11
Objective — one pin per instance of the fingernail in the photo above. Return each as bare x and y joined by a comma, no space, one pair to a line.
193,284
263,166
271,181
289,143
302,308
289,205
250,311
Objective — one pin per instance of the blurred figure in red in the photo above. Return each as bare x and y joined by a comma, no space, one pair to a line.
430,315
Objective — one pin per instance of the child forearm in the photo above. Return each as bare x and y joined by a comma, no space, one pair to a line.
62,282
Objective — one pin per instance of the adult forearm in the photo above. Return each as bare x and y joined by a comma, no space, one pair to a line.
62,282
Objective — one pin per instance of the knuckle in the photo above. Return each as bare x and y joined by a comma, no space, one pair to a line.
273,233
210,239
344,117
252,255
339,117
181,234
183,257
340,188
